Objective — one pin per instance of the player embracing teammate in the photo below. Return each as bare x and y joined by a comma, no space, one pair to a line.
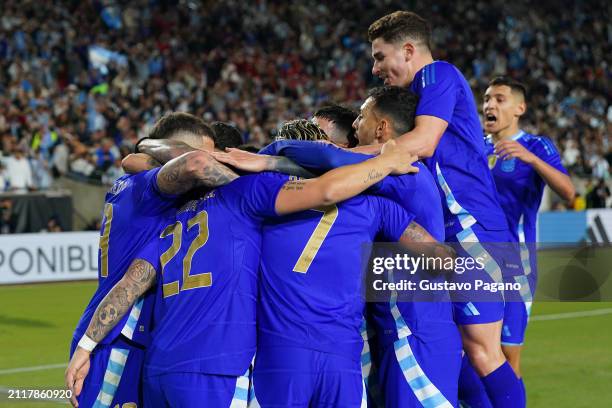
448,137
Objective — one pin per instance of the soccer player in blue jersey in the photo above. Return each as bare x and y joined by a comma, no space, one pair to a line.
133,211
522,164
448,136
426,329
200,358
309,320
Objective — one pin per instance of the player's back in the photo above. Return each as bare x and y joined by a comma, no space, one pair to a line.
133,211
312,273
459,161
209,254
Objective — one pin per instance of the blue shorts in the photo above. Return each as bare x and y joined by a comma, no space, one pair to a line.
489,307
185,390
298,377
414,373
114,376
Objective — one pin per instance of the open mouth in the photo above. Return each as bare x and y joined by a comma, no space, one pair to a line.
490,119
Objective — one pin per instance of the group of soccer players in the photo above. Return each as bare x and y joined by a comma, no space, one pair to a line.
220,290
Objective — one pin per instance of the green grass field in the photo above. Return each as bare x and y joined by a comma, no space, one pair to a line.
567,361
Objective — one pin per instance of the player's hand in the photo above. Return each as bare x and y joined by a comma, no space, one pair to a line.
76,372
509,149
242,160
399,158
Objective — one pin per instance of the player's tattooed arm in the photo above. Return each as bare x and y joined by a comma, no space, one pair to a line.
137,162
193,169
256,163
139,278
285,165
344,182
163,150
416,239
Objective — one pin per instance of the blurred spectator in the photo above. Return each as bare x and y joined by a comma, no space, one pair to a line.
53,225
4,178
19,171
8,219
599,195
75,68
113,172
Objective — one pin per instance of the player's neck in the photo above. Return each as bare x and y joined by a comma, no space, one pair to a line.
507,133
422,60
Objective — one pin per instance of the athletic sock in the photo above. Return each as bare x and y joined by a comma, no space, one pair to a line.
504,388
472,392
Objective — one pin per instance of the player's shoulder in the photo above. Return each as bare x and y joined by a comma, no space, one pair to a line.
539,143
442,69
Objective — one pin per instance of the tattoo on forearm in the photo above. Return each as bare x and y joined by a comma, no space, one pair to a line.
373,175
164,150
139,277
285,165
215,174
415,233
294,185
153,163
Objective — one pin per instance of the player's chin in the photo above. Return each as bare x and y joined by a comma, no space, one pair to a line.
491,127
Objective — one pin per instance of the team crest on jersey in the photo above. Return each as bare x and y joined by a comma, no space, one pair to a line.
492,161
118,187
508,166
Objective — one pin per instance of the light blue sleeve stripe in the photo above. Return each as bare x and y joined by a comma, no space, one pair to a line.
426,75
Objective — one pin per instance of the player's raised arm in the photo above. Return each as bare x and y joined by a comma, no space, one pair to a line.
193,169
139,278
256,163
344,182
136,162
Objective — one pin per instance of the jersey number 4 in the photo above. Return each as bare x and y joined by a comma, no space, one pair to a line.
199,280
108,219
316,239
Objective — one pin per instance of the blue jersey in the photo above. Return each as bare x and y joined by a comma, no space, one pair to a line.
519,186
134,209
416,192
208,258
312,273
459,162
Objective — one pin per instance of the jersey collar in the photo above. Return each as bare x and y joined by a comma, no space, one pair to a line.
520,134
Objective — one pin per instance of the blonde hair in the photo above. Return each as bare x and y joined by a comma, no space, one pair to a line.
300,129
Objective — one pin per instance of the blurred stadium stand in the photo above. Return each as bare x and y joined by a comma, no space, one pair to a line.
81,82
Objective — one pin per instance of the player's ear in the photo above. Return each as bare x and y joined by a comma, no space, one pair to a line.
408,50
521,107
381,129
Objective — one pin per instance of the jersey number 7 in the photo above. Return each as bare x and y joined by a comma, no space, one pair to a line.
316,239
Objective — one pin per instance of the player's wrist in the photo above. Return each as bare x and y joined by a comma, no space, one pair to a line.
87,344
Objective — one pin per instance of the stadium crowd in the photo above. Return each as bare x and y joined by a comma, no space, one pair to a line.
82,82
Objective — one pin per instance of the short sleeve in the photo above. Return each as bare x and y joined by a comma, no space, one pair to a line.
260,192
437,87
147,196
394,219
150,253
545,149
